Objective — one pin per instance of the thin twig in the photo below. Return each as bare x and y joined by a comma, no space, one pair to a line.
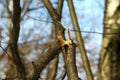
63,76
95,32
7,54
39,19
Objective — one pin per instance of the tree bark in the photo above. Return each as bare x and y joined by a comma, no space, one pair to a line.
70,62
109,63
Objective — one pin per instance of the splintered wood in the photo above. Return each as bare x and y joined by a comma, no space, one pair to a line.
65,42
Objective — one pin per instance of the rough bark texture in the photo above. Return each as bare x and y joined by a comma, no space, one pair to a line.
80,41
109,65
70,62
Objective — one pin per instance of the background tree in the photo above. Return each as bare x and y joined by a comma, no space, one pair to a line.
109,63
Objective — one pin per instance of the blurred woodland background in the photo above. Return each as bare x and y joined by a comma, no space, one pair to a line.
30,48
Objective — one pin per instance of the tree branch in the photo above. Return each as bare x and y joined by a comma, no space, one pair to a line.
44,60
52,52
80,41
56,18
70,63
52,72
14,39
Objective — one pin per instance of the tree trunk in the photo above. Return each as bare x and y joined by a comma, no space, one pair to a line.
109,63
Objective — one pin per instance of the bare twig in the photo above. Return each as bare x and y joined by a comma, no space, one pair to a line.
52,72
7,53
39,19
81,31
62,76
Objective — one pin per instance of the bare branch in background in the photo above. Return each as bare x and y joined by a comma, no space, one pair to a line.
80,41
52,72
14,35
8,9
25,7
44,60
